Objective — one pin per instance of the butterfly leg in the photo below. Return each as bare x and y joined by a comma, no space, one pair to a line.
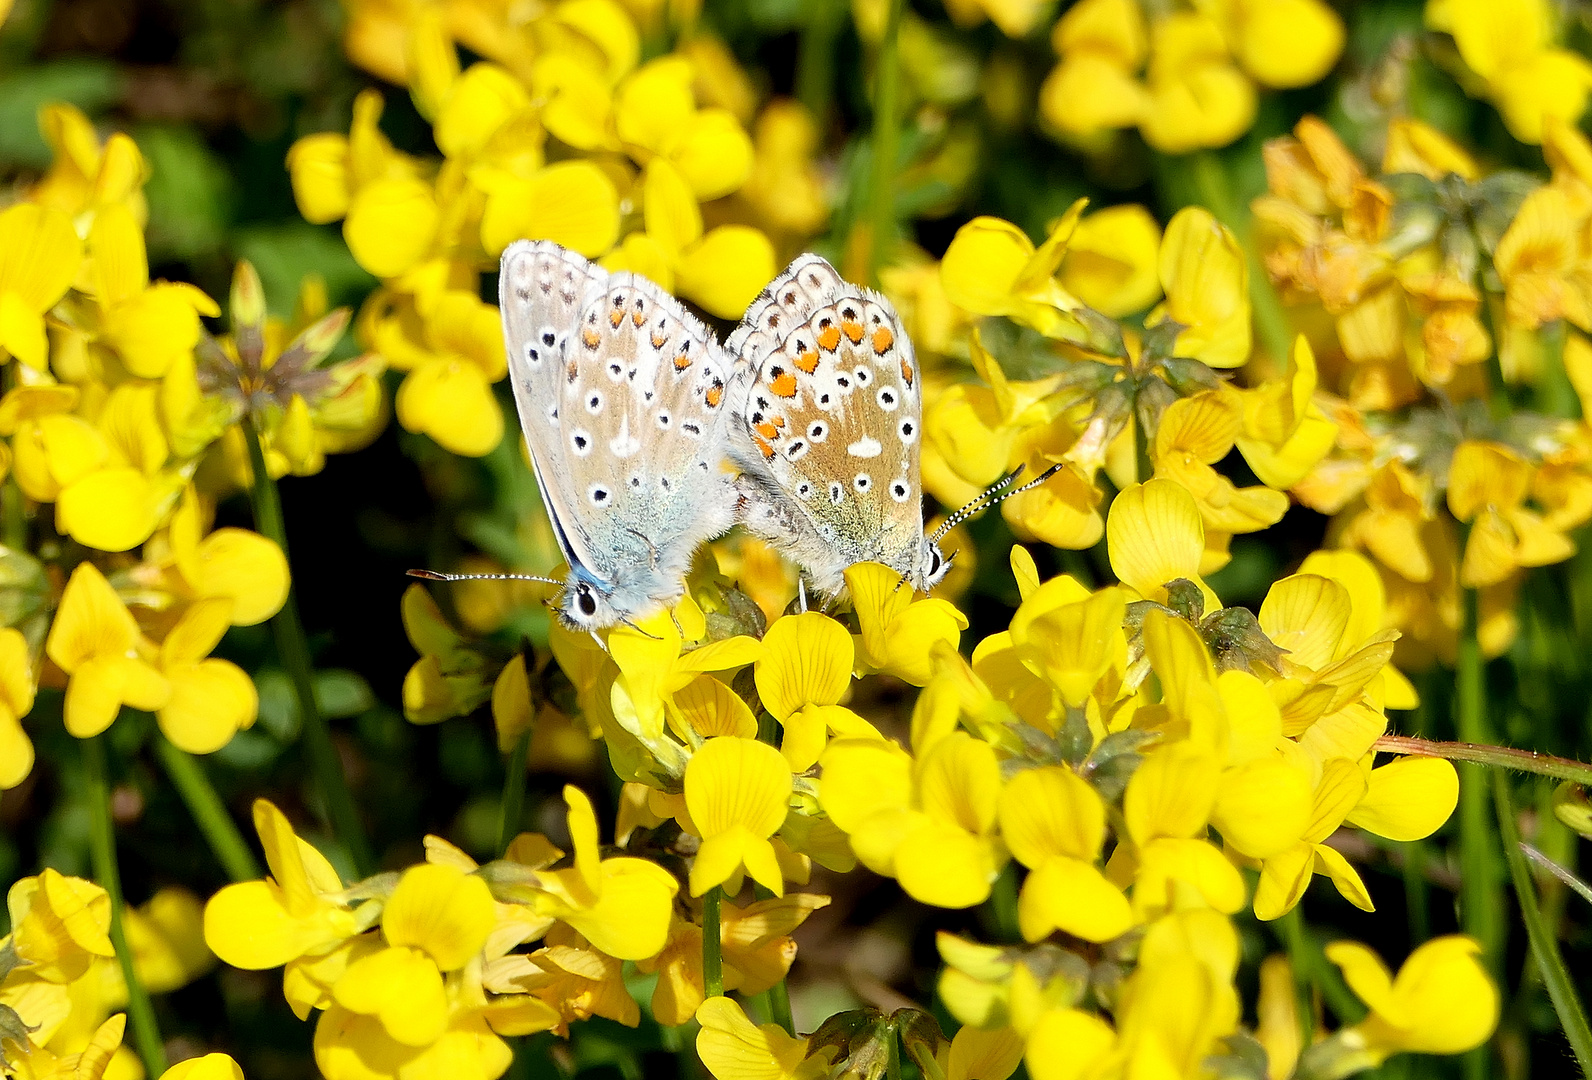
801,591
601,644
652,549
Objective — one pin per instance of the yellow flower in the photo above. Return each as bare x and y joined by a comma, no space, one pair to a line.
1194,434
737,792
91,1063
1055,824
992,268
928,823
655,666
785,185
435,921
899,634
16,701
390,214
447,393
801,678
59,925
1206,280
95,640
149,326
733,1048
1111,260
1487,486
656,116
1441,1002
1166,807
291,914
621,904
39,258
86,175
1285,433
1509,45
210,699
206,1067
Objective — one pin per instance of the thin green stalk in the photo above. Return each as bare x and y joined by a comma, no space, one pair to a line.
294,652
1579,887
1498,757
1291,929
102,852
712,954
1310,963
779,993
886,105
815,57
1141,450
892,1060
193,785
513,805
1003,905
1479,896
1544,946
1215,191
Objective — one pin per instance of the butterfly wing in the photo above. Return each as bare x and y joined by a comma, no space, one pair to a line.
542,290
630,419
828,425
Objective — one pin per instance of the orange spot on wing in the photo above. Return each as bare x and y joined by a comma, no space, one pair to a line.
906,371
853,331
682,362
715,395
766,429
637,318
779,421
764,447
591,338
807,362
882,339
615,317
829,338
659,340
784,386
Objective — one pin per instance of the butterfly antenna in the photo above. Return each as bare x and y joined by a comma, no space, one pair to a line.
995,493
433,575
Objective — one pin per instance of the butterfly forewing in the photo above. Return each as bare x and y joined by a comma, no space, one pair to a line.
828,425
625,419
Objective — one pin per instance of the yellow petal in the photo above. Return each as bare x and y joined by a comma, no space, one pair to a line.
210,702
1171,794
113,509
1206,280
318,167
1154,535
91,621
725,270
733,1048
243,567
1264,807
1067,1044
571,202
1407,799
390,225
1073,897
1050,812
451,401
734,782
442,911
809,661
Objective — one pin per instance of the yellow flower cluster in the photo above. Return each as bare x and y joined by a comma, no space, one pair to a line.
125,415
1109,385
1405,266
60,982
1185,75
560,132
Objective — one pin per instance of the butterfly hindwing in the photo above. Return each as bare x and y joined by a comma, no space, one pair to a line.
827,427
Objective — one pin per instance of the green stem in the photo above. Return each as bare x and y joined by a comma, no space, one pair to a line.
193,784
1544,946
1311,964
778,994
1499,757
892,1049
815,57
1141,449
102,851
294,651
712,954
1300,962
1003,905
1215,191
513,806
1576,885
886,101
1479,898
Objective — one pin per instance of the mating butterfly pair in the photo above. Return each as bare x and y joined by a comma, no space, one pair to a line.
630,407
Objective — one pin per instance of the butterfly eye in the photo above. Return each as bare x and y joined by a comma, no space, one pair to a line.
934,561
585,600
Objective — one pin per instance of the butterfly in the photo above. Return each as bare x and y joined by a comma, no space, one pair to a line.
827,417
622,398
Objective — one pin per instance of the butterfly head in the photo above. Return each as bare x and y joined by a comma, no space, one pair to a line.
933,564
584,606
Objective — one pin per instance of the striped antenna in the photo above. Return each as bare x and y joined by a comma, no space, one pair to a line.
995,493
433,575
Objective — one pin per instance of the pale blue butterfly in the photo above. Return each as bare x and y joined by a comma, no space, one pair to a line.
622,399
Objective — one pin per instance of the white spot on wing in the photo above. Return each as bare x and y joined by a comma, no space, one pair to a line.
865,447
624,444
